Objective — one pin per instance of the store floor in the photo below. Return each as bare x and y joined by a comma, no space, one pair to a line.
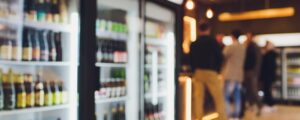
282,113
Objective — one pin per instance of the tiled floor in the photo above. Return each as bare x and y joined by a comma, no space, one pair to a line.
283,113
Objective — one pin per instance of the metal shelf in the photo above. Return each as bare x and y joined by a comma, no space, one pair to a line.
121,65
110,100
153,41
49,26
35,63
10,21
159,95
160,66
112,36
33,110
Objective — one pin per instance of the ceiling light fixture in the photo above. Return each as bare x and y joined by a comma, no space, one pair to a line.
209,13
190,5
258,14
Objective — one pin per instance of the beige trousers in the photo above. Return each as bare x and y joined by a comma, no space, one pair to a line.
210,80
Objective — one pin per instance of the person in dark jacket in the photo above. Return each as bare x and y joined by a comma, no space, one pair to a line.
251,75
268,74
206,60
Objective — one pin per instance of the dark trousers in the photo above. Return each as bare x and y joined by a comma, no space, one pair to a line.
268,97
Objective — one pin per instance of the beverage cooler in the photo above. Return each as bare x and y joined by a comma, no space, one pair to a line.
158,62
38,59
128,68
287,87
117,37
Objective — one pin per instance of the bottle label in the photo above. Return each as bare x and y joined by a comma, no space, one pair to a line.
21,100
27,54
39,98
9,101
48,99
15,53
36,52
6,52
56,98
30,100
44,55
63,97
53,54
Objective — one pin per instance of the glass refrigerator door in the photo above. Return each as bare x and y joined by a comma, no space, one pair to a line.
38,59
159,63
117,32
291,86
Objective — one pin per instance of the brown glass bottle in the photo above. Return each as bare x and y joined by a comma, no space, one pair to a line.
63,93
58,45
29,88
39,91
56,93
20,91
9,91
27,45
48,94
36,51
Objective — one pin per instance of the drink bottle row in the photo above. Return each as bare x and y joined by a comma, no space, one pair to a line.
153,112
117,113
109,26
147,81
19,91
110,51
112,87
41,45
52,11
37,45
148,55
8,8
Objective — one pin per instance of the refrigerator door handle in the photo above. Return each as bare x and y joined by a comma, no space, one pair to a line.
154,78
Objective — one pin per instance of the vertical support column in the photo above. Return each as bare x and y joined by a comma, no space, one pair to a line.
88,73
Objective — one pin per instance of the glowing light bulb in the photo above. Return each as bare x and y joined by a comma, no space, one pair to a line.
209,13
190,5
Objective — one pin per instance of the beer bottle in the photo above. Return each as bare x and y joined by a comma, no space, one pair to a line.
63,93
51,45
55,92
27,45
20,91
9,91
29,88
36,51
39,91
48,94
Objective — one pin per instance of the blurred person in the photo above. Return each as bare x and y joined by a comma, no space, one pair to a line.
219,38
252,69
234,74
206,60
268,75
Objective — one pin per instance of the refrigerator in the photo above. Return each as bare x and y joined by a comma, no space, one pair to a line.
110,33
112,62
161,50
38,59
286,87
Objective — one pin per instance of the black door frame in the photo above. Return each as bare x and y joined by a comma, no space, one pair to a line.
179,13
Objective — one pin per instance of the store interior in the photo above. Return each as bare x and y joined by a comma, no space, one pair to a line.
129,59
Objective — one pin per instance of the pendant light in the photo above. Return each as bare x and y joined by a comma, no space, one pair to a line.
209,13
190,5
